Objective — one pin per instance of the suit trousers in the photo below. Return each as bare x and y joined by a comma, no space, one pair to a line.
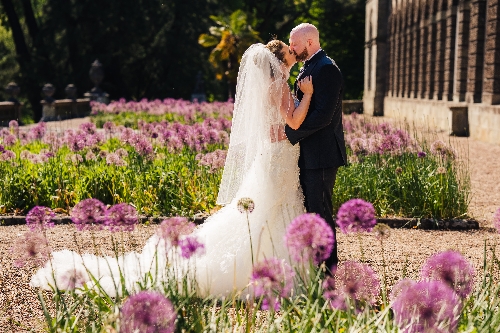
317,185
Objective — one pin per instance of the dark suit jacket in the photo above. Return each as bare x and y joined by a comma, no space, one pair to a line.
321,135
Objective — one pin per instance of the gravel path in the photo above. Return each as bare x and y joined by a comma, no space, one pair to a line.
404,250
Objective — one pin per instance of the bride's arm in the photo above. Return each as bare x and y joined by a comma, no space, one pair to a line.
294,116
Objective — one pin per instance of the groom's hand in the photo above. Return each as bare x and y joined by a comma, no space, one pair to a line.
277,133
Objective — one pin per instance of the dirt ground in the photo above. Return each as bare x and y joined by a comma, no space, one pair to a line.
404,251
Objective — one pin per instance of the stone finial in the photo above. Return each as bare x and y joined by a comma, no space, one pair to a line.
48,90
13,90
96,74
70,91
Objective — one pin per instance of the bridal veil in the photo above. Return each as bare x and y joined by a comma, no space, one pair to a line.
261,81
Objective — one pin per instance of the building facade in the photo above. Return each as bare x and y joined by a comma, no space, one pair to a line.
435,62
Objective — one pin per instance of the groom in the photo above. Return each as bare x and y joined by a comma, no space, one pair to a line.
321,135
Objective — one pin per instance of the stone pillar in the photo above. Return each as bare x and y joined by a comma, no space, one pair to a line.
476,51
415,54
462,51
431,52
491,83
402,50
449,52
408,50
376,54
424,17
440,47
392,52
397,48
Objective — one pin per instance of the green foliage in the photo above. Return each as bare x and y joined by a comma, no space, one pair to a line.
419,190
230,39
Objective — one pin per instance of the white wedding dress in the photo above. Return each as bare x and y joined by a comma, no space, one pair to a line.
256,167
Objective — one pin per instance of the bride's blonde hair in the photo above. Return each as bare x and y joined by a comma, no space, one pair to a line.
276,47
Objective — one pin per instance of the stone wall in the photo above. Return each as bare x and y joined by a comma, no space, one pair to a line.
433,62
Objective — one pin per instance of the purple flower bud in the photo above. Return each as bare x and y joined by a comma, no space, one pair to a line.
31,249
425,306
352,282
88,213
356,215
272,279
309,238
121,217
190,246
147,312
451,268
39,218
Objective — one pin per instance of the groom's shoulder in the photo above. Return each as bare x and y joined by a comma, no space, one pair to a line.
327,61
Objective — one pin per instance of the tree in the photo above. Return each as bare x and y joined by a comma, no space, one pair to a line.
231,37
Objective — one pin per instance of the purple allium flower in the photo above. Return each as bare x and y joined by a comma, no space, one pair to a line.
90,156
271,279
309,237
39,218
73,278
114,159
147,312
358,146
451,268
496,220
13,124
352,282
398,170
399,287
422,154
2,149
31,249
109,126
190,246
88,128
9,140
172,228
356,215
121,217
439,148
245,205
428,306
7,155
88,213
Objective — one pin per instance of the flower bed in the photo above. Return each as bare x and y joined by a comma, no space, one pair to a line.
165,158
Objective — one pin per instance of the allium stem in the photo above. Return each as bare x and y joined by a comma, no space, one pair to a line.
250,234
361,247
384,274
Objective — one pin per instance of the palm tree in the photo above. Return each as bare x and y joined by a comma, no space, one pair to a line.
230,38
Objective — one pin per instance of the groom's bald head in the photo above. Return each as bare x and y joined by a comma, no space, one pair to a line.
304,41
306,31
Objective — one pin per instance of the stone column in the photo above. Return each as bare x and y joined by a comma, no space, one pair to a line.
376,57
462,51
449,52
397,49
424,16
431,51
408,51
476,51
402,51
440,46
415,55
392,51
491,83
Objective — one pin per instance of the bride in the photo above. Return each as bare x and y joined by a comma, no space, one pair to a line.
260,165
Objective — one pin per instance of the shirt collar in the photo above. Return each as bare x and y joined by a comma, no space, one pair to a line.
308,59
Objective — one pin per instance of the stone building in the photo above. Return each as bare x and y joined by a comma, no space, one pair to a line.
435,62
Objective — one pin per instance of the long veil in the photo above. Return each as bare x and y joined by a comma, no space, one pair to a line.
261,80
